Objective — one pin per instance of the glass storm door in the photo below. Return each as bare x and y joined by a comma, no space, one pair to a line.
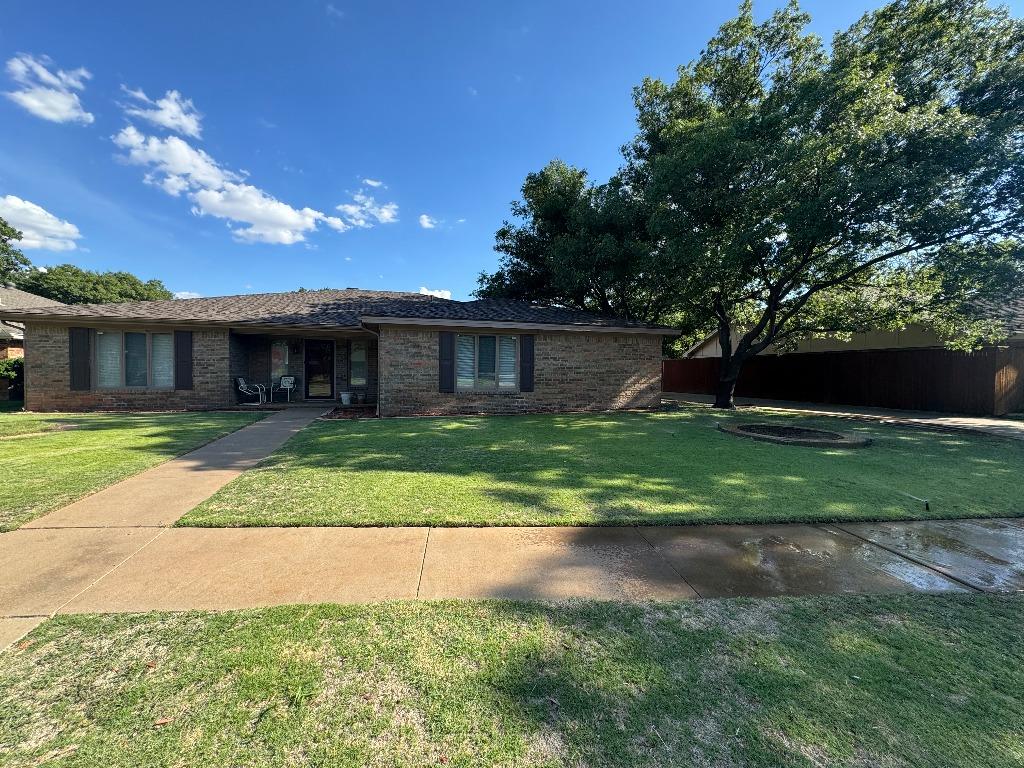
319,369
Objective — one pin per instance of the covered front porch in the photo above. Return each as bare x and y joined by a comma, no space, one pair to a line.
324,366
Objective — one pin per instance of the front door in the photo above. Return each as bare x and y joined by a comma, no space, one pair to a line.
319,369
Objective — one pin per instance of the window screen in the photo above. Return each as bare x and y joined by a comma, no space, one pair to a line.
162,352
358,365
486,357
507,361
465,362
108,359
135,367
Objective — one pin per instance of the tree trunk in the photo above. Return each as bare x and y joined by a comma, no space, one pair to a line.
724,392
729,374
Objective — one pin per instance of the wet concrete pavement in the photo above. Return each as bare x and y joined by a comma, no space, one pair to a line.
984,554
140,569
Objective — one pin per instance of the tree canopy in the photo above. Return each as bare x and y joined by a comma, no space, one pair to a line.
780,188
11,259
73,285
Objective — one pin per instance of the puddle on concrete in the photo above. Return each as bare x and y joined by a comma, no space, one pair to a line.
988,554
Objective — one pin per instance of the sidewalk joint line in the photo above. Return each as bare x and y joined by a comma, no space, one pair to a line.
667,562
911,559
100,578
426,543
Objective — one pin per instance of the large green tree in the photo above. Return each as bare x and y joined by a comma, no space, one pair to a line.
780,188
73,285
12,260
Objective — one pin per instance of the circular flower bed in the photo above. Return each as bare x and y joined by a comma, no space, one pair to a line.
793,435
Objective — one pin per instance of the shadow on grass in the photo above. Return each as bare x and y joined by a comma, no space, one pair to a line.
929,681
656,468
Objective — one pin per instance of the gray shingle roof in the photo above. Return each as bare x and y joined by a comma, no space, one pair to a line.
326,308
13,298
1011,314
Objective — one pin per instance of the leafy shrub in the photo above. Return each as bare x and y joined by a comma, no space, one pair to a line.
13,369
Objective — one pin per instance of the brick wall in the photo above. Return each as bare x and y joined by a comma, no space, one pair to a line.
48,377
573,372
11,348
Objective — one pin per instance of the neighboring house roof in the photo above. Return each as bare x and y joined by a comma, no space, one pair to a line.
347,308
13,298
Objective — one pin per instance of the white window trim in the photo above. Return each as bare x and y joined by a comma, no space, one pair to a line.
477,386
124,362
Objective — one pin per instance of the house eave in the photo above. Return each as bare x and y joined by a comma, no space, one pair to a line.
499,324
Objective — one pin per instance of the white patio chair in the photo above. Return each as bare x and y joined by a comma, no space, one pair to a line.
252,390
286,385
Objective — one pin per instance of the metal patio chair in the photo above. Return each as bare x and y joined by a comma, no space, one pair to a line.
251,390
286,385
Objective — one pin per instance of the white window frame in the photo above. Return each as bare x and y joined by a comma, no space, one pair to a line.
124,360
487,387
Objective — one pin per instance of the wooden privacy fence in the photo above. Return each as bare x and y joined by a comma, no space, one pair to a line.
987,382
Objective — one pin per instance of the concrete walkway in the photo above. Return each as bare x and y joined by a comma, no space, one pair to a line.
88,570
161,495
1011,428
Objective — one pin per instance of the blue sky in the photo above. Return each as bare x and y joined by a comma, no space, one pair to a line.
263,146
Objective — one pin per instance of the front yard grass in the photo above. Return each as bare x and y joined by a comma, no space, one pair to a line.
613,469
889,681
44,472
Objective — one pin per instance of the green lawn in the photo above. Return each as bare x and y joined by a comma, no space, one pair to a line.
587,469
883,681
48,471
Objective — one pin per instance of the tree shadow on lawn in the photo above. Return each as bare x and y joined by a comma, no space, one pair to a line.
655,468
875,681
922,680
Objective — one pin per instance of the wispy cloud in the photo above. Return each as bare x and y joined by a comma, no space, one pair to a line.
48,92
374,183
334,11
187,295
472,91
172,111
39,228
364,211
428,222
441,294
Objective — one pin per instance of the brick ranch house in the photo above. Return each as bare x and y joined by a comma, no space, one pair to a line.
411,354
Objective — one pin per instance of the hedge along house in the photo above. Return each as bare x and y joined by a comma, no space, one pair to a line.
409,353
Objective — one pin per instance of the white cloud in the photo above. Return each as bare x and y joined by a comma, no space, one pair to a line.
46,93
427,222
172,111
177,165
374,183
268,220
364,211
472,91
441,294
39,228
187,295
254,216
334,11
460,221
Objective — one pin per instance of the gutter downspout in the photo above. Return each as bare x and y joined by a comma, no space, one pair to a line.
377,334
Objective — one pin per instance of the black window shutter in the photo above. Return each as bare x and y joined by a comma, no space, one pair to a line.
526,363
183,359
78,348
446,361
